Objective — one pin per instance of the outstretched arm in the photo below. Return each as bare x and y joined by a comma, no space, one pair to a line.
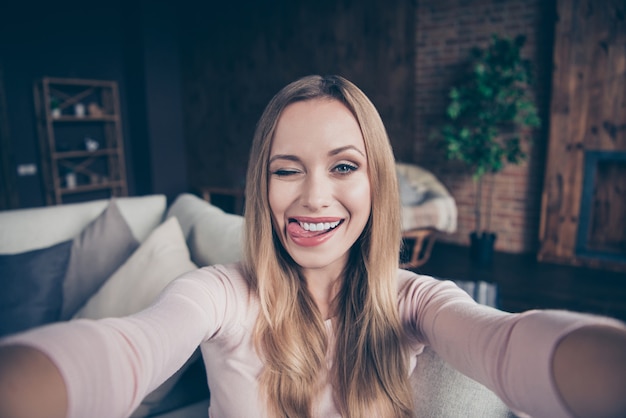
541,363
31,386
589,367
104,368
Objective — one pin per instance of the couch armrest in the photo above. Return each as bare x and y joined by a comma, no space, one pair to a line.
213,236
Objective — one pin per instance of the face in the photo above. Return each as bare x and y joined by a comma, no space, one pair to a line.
319,189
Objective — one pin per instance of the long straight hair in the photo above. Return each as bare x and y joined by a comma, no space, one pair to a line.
369,372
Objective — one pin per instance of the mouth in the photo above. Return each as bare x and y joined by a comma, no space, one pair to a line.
318,226
310,232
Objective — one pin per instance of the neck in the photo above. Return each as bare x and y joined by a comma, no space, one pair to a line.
323,287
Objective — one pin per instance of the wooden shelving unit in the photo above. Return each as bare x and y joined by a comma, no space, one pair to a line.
81,143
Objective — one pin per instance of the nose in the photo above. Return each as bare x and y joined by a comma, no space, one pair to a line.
316,191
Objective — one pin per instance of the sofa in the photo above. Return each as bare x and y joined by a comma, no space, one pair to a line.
112,257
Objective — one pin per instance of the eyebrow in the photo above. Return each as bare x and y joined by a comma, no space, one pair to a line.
331,153
346,148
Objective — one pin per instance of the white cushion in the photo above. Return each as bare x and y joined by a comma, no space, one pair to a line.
421,179
426,202
213,236
28,229
439,213
135,285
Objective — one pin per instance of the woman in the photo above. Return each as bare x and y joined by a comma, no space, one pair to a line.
317,320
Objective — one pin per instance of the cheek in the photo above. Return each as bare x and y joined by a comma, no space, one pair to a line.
358,199
277,202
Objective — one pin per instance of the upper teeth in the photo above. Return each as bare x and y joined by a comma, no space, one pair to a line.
322,226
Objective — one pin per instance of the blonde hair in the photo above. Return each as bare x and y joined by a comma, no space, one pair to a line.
369,372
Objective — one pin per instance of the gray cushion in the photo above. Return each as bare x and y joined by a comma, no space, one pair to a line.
440,391
32,287
103,246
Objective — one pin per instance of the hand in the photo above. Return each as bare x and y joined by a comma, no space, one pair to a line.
31,386
589,367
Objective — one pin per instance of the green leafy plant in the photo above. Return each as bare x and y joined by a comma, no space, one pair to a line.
490,113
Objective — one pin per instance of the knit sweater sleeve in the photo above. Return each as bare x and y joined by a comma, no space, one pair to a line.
109,365
511,354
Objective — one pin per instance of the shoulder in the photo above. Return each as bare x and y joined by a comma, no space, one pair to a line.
407,279
421,291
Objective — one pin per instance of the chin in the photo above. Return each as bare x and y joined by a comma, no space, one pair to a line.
312,261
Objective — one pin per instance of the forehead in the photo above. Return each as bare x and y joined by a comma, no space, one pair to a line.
314,124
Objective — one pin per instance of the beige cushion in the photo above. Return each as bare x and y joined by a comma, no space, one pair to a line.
28,229
136,284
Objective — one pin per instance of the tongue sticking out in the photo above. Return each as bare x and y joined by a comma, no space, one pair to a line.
310,235
295,230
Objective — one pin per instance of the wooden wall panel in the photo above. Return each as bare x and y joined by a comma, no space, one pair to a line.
607,229
588,112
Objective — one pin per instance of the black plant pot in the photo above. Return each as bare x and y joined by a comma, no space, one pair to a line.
481,247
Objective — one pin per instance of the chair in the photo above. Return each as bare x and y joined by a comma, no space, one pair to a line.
428,209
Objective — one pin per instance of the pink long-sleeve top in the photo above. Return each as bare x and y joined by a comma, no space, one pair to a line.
111,364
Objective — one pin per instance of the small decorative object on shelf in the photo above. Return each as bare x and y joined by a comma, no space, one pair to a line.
95,110
55,110
80,132
91,144
79,110
70,180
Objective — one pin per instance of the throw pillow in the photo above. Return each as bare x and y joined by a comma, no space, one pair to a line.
97,252
32,287
137,283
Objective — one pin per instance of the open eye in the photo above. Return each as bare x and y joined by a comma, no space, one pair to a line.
345,168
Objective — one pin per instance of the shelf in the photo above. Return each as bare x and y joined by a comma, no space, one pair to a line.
86,119
83,154
90,187
83,109
79,82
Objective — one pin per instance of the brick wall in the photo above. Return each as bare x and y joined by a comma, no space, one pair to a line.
446,30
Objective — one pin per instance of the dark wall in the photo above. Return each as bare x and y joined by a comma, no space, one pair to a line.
96,40
237,55
234,57
154,85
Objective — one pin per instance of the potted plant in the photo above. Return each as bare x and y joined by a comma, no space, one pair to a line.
491,111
